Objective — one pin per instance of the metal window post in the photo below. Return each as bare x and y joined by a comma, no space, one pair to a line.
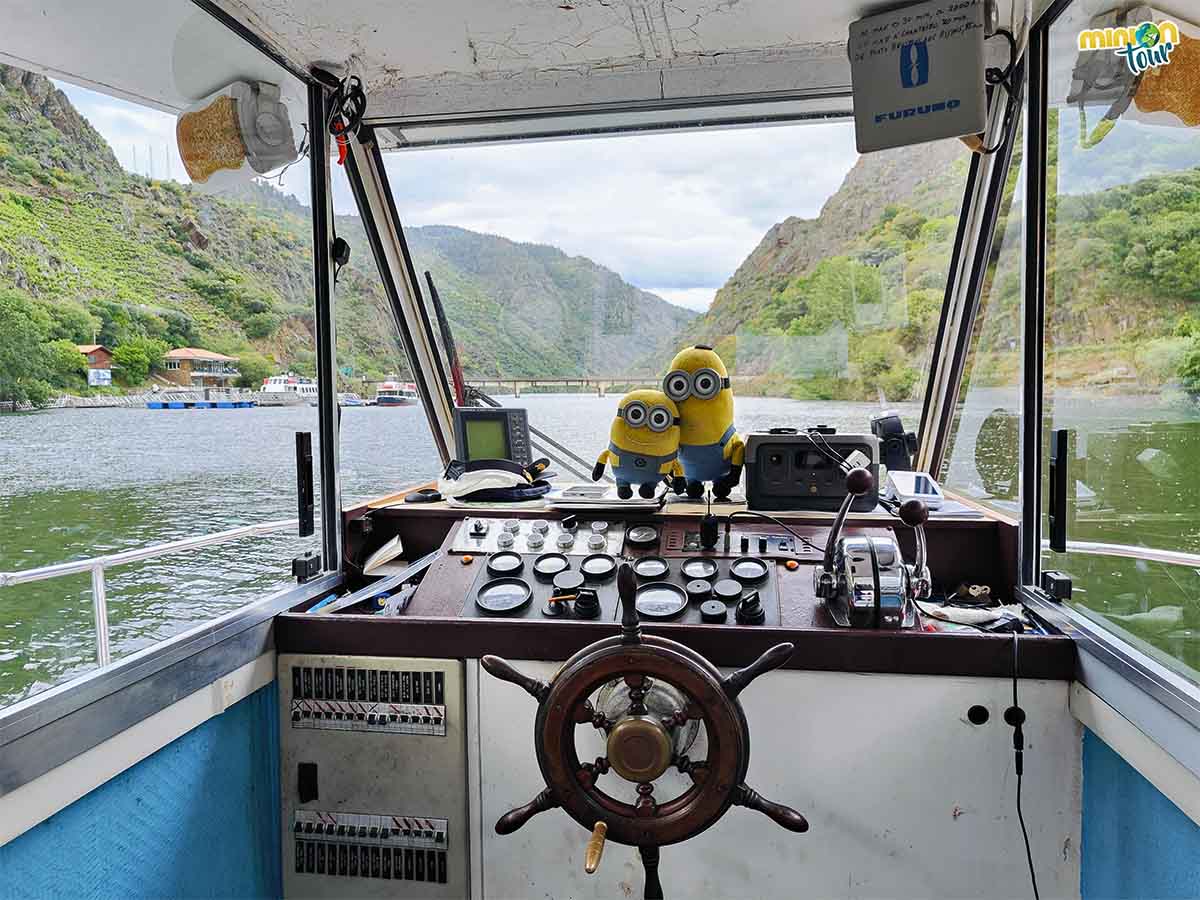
327,408
100,614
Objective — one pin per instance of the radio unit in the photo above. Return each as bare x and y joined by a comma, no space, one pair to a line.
788,469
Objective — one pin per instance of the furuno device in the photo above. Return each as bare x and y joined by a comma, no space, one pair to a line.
803,470
491,434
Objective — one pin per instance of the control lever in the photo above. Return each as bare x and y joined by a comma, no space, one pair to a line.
858,482
914,513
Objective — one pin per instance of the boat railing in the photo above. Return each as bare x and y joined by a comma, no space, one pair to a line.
97,565
1131,551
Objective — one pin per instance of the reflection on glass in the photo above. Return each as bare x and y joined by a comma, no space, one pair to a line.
982,455
1122,351
139,319
581,267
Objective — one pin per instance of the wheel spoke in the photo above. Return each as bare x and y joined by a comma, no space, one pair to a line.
589,772
645,805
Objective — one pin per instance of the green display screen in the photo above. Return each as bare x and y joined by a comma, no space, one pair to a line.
486,439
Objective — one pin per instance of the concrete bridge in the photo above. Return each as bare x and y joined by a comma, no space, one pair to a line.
600,384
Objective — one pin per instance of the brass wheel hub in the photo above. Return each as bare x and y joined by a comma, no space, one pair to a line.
639,748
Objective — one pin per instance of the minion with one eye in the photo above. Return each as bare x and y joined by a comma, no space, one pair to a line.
643,444
710,449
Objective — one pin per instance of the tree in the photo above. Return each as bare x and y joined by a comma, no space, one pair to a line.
23,327
64,364
135,357
254,368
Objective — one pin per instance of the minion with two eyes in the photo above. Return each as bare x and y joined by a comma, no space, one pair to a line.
710,449
643,444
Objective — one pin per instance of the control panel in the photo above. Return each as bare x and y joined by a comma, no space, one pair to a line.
373,777
569,535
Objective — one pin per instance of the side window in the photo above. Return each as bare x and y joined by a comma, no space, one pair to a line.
981,461
140,318
385,439
1122,348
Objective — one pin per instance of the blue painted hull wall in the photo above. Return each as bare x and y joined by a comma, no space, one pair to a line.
199,818
1136,842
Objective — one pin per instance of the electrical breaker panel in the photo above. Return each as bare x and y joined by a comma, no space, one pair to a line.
374,777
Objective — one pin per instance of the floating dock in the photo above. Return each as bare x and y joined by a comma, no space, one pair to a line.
201,404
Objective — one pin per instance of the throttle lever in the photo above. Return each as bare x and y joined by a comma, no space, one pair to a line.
858,482
914,513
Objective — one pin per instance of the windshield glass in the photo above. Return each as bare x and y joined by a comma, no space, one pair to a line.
573,271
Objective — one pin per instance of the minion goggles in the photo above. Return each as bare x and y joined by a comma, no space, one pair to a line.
703,383
637,415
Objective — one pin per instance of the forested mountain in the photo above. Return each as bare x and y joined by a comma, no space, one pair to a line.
845,305
89,252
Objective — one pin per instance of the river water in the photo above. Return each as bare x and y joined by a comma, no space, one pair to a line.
77,483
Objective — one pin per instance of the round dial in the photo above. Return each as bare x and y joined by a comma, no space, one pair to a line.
651,567
505,539
535,541
505,564
597,541
550,564
599,527
598,566
661,600
565,540
727,590
642,535
512,526
540,526
748,570
503,596
698,567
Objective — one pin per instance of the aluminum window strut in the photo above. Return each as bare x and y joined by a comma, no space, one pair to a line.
973,245
323,288
368,181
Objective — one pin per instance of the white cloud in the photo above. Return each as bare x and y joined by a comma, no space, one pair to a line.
672,213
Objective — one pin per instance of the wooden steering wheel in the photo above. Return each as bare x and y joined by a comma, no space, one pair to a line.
653,692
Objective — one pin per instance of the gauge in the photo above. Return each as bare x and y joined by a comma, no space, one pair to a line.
567,583
698,567
649,567
660,600
748,570
642,535
548,565
505,539
540,526
535,541
503,596
598,566
505,564
727,590
512,526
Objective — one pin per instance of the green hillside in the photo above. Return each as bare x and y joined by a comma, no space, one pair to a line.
89,252
1124,276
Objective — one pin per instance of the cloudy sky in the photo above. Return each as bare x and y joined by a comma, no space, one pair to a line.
672,213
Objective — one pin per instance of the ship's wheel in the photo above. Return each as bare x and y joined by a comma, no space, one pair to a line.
652,697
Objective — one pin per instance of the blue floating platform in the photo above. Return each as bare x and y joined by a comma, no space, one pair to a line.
202,404
155,404
176,404
227,404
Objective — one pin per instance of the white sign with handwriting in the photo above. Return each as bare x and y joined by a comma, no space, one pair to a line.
917,74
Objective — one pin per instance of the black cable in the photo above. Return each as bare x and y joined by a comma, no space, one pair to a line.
1002,77
770,518
1015,716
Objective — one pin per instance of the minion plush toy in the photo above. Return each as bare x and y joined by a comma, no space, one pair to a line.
710,448
643,444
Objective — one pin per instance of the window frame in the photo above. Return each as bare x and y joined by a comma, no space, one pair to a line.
1161,703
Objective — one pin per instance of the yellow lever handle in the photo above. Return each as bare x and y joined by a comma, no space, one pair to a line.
595,848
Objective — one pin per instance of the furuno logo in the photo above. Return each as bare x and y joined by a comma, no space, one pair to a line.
1143,47
914,64
923,110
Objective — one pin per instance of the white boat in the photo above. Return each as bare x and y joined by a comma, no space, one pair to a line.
396,393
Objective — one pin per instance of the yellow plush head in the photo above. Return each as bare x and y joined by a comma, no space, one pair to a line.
699,383
647,423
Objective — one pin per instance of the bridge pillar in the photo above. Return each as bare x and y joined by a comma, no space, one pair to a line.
516,389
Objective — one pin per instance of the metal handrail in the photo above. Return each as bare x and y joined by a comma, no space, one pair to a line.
1132,551
97,565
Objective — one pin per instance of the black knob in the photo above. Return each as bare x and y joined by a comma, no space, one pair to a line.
749,610
699,591
709,528
859,481
727,590
587,605
713,612
569,522
914,513
745,543
762,545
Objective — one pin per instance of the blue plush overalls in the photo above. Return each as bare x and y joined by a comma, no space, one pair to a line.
706,462
634,468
